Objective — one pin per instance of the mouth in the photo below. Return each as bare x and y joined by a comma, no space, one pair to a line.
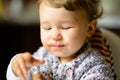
58,46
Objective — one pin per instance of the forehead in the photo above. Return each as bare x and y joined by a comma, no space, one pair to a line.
47,11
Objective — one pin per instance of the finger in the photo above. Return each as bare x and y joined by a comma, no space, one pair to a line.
23,66
37,62
30,61
27,56
15,66
18,71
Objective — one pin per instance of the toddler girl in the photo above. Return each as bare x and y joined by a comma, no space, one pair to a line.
68,53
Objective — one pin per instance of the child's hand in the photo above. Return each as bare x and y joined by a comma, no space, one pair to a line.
22,62
38,76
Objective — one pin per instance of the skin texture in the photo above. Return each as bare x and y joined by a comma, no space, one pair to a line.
63,33
22,62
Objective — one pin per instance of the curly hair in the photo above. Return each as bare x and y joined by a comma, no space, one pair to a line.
92,7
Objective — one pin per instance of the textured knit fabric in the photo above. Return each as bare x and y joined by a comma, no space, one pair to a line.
99,43
88,65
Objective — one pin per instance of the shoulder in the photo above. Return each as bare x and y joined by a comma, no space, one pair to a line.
93,56
96,67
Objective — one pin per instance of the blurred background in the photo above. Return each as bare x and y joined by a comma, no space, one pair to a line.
19,27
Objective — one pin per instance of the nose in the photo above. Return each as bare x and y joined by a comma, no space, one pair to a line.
56,35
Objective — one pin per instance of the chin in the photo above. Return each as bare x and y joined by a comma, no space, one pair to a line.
59,54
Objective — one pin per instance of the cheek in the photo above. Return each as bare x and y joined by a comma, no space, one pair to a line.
76,35
76,40
44,37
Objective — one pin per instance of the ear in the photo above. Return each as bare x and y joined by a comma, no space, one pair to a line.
91,28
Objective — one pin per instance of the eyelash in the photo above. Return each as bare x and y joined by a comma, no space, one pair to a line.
64,28
47,28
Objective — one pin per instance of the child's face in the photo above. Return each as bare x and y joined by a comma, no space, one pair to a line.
63,32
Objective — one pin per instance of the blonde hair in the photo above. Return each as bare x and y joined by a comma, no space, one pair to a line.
92,7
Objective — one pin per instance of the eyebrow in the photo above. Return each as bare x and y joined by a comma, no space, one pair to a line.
44,22
62,21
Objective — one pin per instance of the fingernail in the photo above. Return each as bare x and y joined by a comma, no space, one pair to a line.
42,61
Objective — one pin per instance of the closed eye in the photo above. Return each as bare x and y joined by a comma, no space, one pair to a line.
67,27
47,28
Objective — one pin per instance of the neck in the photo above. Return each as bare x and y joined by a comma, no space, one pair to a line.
65,60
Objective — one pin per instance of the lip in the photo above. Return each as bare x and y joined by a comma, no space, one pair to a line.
58,46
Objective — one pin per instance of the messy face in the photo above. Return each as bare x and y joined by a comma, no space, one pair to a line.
63,32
